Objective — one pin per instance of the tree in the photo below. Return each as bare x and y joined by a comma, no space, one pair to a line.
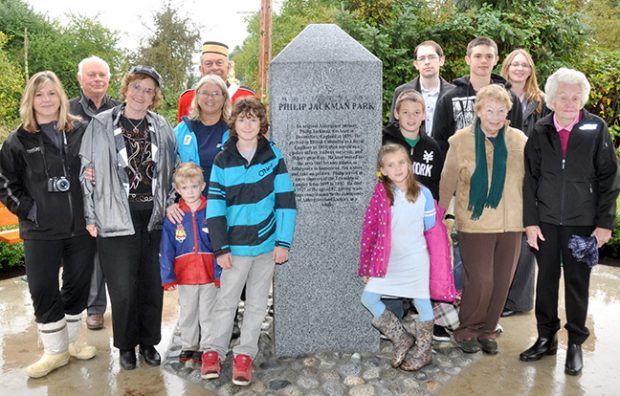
169,49
552,31
11,83
604,17
554,37
294,16
55,47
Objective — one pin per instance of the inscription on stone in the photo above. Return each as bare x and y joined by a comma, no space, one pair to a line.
331,150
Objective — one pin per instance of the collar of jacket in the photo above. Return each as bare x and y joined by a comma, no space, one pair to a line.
263,149
118,111
442,85
183,206
392,129
85,104
548,119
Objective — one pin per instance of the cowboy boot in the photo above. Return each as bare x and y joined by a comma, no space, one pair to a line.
422,354
392,328
81,351
54,339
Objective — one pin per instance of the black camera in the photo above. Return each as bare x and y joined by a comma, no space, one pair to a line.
58,184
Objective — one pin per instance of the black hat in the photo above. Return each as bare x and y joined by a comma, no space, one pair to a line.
148,71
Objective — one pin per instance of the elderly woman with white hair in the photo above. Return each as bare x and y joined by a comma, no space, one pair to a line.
570,188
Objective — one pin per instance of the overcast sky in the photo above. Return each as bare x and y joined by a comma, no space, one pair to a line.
218,20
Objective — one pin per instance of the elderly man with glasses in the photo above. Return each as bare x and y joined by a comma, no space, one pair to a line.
213,60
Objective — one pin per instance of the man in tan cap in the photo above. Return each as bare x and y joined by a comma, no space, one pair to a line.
214,60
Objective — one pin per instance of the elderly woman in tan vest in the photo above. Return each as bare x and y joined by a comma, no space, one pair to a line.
484,169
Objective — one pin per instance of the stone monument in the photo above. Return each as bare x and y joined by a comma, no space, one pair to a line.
325,102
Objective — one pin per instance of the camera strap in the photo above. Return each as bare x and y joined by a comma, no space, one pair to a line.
63,149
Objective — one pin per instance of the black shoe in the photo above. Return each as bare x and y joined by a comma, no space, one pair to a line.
440,334
187,357
574,360
236,332
128,359
508,312
150,355
542,346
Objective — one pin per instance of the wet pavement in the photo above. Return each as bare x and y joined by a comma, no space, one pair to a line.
325,373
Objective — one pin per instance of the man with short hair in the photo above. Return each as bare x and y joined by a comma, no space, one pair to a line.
94,78
428,58
455,110
214,60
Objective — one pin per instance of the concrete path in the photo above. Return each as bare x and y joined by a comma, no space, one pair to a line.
476,374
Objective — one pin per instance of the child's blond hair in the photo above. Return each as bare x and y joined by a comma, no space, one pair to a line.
413,188
188,172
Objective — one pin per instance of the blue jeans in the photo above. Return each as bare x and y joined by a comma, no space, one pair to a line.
372,302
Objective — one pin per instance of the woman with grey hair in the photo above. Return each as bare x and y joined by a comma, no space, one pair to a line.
201,134
132,151
570,188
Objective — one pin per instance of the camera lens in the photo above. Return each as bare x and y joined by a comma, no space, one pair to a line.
62,184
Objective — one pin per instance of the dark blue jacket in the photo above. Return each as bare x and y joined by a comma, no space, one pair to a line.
186,256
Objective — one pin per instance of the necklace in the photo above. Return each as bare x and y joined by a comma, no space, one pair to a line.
135,126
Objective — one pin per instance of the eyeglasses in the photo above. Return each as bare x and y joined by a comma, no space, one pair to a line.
523,65
137,88
213,94
430,58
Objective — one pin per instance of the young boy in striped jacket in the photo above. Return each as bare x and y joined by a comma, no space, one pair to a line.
251,219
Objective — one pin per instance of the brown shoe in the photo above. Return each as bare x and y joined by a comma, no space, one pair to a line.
94,321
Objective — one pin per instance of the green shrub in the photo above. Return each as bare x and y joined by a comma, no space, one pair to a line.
612,248
602,67
11,256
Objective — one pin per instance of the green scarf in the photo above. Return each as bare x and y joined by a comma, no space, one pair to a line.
478,197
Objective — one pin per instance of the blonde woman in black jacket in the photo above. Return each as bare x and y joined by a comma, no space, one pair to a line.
39,182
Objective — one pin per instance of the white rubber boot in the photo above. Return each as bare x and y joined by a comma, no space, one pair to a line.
54,338
81,351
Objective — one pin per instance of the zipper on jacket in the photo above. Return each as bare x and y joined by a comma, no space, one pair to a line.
195,232
66,169
563,190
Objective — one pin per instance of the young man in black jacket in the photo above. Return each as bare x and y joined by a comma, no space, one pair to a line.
455,109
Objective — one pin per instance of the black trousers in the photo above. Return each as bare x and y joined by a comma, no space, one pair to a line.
553,257
131,269
43,259
521,293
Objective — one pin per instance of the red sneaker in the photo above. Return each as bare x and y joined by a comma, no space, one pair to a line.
210,365
242,370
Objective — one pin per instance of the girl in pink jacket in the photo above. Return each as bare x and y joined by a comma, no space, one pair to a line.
394,258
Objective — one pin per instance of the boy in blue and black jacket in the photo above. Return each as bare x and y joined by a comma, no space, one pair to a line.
186,259
251,217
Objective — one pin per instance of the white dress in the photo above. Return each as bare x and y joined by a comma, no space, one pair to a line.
408,270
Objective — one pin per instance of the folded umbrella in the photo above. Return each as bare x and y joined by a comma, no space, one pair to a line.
585,249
